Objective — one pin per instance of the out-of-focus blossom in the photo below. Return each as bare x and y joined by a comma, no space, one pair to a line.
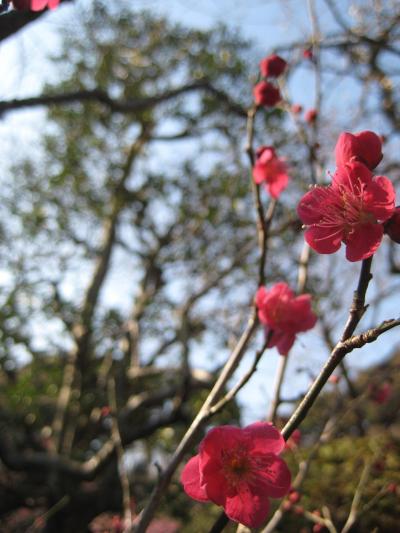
266,94
270,170
285,314
272,66
310,116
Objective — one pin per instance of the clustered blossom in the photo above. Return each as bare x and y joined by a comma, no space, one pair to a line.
355,206
270,170
284,314
265,92
35,5
239,469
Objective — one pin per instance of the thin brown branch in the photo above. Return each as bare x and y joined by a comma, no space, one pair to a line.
122,106
203,415
355,504
346,345
82,330
116,438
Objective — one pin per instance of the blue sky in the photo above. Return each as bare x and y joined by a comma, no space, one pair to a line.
270,23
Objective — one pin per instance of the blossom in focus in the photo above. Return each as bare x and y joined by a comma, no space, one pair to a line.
272,66
270,170
266,94
35,5
239,469
310,116
365,146
350,210
392,226
285,314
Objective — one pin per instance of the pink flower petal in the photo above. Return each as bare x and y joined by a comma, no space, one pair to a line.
190,479
283,341
277,185
212,449
300,316
273,476
379,198
352,177
363,241
324,240
249,507
265,438
364,146
310,208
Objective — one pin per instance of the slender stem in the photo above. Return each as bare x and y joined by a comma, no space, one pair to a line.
116,437
219,524
191,434
276,395
356,312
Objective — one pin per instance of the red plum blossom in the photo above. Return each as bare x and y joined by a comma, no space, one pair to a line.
350,210
270,170
285,314
310,116
239,469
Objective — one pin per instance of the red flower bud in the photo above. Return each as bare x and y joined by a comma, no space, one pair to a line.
266,94
308,54
392,488
294,496
365,146
311,116
286,505
380,393
296,109
272,66
392,226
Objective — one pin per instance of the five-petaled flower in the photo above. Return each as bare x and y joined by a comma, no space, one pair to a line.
350,210
239,469
35,5
365,146
270,170
272,66
284,314
266,94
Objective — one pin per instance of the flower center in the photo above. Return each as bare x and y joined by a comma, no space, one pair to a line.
236,465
